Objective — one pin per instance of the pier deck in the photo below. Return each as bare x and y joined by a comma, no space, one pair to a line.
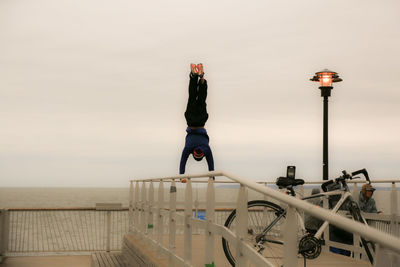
47,261
325,259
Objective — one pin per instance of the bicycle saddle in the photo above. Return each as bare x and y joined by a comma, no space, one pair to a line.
286,182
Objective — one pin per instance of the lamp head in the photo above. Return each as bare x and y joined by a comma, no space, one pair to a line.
326,78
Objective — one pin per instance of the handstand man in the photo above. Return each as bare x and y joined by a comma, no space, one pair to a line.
196,142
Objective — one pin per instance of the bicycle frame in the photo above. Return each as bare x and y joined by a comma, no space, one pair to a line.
344,196
269,227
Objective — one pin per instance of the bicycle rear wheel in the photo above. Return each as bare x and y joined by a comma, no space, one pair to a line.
261,214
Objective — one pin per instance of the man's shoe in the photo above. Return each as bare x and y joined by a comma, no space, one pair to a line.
193,68
200,70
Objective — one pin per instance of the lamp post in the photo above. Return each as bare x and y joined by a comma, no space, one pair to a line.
325,79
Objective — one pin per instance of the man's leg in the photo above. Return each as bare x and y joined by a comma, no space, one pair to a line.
193,87
202,94
191,107
201,102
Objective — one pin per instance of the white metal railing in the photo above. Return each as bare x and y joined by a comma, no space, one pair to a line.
62,230
142,209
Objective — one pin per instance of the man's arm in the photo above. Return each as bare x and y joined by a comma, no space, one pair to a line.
373,206
210,160
184,157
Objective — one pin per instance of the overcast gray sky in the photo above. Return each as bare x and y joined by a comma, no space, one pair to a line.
92,93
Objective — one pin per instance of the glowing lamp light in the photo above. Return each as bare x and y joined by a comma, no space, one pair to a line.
326,78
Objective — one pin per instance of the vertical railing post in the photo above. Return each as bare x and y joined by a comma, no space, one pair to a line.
325,204
136,211
196,211
4,232
131,208
143,217
160,217
150,214
6,229
241,230
210,218
290,238
2,222
301,195
394,227
355,192
108,230
172,221
188,223
265,218
356,237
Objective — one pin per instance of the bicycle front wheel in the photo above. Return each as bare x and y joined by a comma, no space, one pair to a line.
261,215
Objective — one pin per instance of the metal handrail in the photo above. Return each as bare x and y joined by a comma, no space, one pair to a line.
370,233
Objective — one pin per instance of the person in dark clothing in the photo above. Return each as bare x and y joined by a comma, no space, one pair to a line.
196,109
366,201
197,140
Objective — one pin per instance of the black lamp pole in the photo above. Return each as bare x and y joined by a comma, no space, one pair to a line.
325,78
325,93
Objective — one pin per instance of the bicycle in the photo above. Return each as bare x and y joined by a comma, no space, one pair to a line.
266,221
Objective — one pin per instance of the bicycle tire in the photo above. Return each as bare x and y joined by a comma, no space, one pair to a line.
369,246
260,214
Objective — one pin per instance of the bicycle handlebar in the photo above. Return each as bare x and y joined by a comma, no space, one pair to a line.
327,186
364,172
350,176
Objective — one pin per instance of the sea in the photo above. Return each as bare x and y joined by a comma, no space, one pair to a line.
60,197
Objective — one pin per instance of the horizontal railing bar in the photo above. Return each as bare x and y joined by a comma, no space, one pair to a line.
65,209
123,209
358,181
219,173
58,251
380,217
181,176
